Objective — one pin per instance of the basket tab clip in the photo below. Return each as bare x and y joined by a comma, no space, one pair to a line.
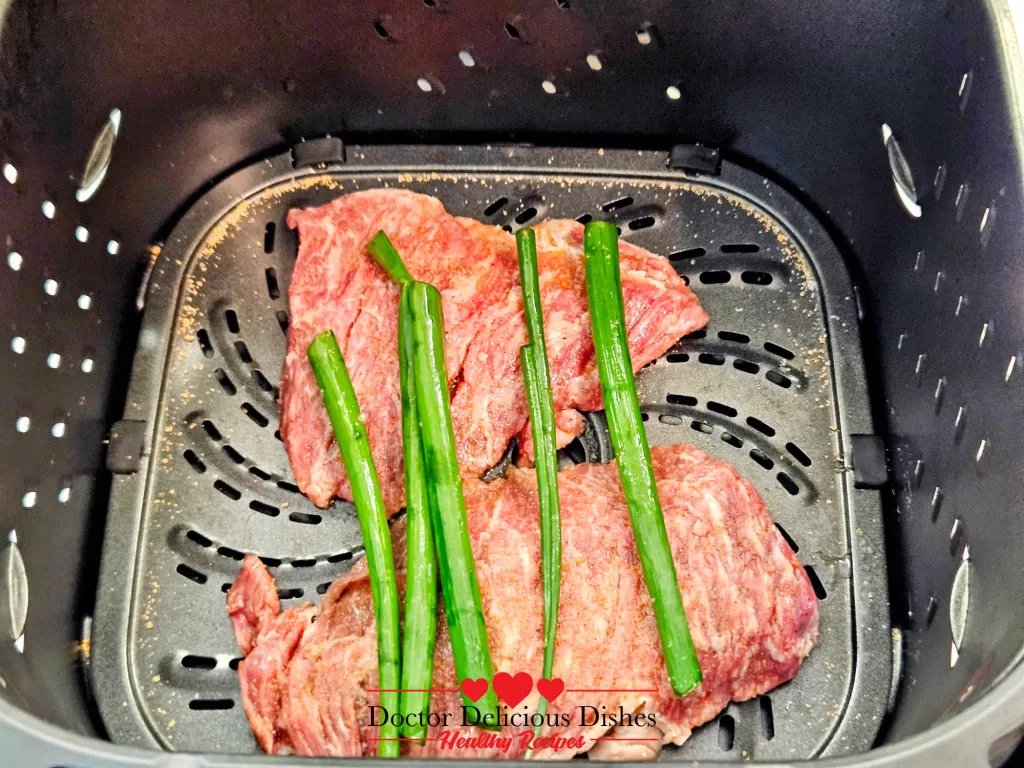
870,469
695,159
124,451
327,150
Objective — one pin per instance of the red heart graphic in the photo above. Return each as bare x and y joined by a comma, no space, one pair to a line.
550,689
512,690
474,689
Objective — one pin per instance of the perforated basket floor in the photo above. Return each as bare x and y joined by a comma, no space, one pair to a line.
774,386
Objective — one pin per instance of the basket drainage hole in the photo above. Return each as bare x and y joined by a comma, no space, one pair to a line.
290,594
819,588
767,718
681,400
211,704
788,483
761,459
496,206
284,485
205,663
726,732
235,663
740,248
586,218
228,490
196,463
191,574
668,418
614,205
725,410
211,429
730,439
382,33
526,215
232,454
467,59
710,358
243,351
228,552
512,31
715,277
258,418
199,539
700,426
689,253
775,349
798,454
269,233
760,426
739,338
259,473
264,508
642,223
263,382
789,539
225,381
746,366
678,357
756,278
282,320
10,173
778,379
231,317
204,342
273,289
305,518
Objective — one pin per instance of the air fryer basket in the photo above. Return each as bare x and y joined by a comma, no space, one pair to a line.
858,248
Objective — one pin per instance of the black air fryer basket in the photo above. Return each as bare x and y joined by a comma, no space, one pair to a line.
839,183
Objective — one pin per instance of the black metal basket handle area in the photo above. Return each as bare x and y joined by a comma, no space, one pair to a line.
981,737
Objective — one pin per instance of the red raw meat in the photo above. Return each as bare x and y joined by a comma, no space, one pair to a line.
751,610
337,286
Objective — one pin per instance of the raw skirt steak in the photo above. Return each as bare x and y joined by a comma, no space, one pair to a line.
308,677
337,286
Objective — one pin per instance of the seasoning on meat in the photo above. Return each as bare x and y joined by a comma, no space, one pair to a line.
307,685
336,285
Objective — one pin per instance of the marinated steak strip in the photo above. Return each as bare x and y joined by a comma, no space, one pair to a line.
336,285
751,609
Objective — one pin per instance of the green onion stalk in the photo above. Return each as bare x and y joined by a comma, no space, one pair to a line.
633,456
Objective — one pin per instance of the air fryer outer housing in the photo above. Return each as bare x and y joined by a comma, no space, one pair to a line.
895,128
